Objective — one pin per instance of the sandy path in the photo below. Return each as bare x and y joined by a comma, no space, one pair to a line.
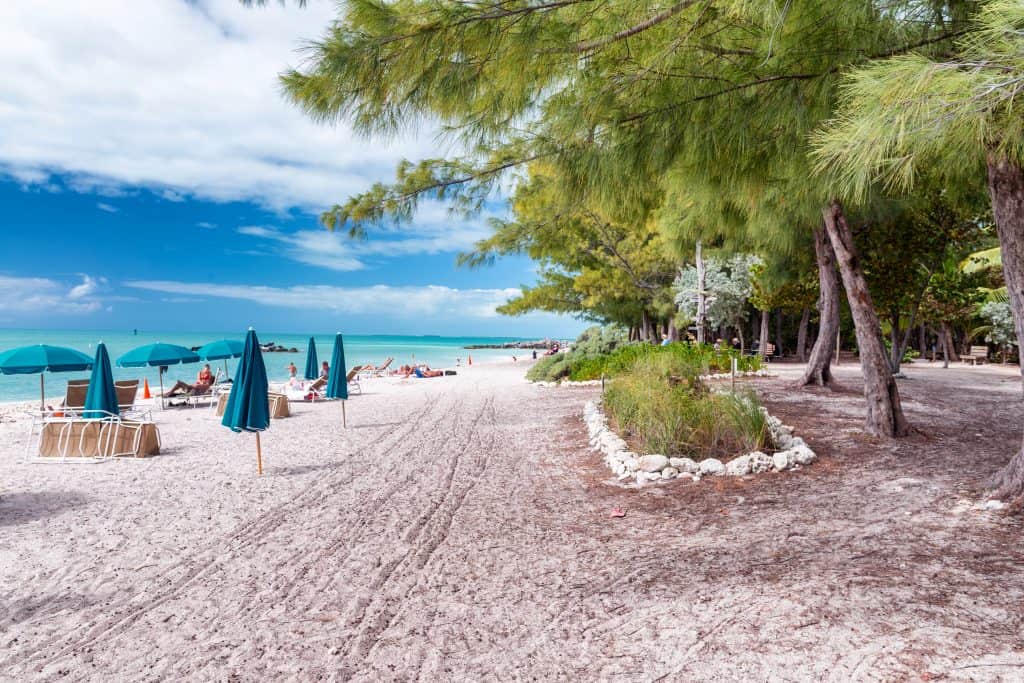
460,532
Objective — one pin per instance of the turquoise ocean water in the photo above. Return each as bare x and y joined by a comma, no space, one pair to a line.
359,349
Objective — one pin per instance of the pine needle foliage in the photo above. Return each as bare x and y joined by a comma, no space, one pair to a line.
620,95
910,111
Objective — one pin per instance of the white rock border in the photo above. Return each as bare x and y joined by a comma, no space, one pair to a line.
627,465
705,378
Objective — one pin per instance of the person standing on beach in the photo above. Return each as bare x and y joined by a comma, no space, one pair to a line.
325,370
292,370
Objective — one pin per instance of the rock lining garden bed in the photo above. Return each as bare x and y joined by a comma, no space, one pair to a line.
793,453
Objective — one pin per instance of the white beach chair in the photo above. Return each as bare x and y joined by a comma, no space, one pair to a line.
56,436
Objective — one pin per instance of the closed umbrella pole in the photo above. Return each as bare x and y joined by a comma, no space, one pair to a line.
101,399
247,409
312,371
259,455
337,381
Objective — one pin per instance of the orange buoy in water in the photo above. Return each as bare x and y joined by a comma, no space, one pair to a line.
145,389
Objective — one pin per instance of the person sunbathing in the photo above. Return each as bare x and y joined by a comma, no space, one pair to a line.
204,380
427,372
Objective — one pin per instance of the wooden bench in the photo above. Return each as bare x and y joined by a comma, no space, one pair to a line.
978,354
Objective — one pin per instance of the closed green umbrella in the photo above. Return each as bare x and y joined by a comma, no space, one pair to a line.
312,369
101,399
40,358
247,409
157,355
337,382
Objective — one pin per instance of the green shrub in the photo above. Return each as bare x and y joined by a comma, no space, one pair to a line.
683,420
597,340
549,369
691,357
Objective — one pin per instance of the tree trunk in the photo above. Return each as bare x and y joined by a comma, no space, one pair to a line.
922,341
1006,187
646,333
762,340
895,357
819,366
947,345
801,335
743,341
702,302
673,331
778,332
885,414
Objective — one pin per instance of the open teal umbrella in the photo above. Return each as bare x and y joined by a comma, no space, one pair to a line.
247,409
312,371
157,355
221,349
337,381
101,399
40,358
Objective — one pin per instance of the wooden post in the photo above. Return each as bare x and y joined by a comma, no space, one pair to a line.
344,424
259,455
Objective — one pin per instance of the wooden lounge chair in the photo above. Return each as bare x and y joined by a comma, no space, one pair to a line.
74,396
978,354
127,390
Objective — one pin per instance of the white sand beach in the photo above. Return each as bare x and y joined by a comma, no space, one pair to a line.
459,530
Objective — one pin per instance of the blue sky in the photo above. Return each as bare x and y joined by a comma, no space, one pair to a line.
152,176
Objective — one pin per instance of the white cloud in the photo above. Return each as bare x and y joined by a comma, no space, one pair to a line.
207,225
180,97
172,196
398,302
46,297
106,207
87,288
433,231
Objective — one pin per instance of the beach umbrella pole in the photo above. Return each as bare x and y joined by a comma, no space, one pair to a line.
42,394
161,376
343,421
259,455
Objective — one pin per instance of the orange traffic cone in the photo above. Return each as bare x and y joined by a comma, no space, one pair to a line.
145,389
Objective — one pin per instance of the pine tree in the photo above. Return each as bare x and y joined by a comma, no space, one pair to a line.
956,116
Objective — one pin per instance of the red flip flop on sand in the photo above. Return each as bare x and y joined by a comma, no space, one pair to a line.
618,512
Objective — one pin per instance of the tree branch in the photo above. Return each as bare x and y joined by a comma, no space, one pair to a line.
633,30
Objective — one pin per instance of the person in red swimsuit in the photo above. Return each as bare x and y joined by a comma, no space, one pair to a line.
203,382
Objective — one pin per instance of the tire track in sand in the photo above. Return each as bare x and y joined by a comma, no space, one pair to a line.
213,556
428,532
